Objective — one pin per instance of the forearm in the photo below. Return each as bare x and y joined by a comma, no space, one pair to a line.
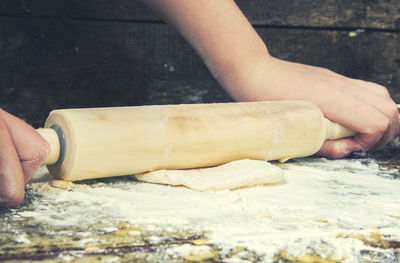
221,35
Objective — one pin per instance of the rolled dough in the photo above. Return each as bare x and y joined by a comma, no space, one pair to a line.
61,184
233,175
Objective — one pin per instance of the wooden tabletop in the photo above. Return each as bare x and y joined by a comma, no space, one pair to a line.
326,211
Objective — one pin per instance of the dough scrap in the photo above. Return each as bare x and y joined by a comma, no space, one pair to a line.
61,184
229,176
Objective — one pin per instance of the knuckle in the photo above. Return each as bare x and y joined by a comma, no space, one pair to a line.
381,89
326,71
393,111
381,126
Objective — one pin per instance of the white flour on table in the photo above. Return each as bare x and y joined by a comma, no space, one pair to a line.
319,200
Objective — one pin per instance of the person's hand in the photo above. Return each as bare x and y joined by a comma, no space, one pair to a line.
363,106
22,150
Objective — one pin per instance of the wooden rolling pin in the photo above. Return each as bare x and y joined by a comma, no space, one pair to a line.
104,142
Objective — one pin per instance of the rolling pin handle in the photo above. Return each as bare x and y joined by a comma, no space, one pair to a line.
55,137
337,131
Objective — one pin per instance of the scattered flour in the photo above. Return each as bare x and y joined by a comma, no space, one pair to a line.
319,200
23,239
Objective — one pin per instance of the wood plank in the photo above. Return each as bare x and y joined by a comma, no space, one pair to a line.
328,13
91,9
52,63
83,224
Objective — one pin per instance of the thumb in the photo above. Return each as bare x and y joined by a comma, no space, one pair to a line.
11,175
31,147
341,148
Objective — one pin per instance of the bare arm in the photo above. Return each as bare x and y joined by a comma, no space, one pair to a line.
220,33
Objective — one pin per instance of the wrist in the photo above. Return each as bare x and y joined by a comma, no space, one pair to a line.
245,80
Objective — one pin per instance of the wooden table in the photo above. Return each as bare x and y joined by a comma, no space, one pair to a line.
326,211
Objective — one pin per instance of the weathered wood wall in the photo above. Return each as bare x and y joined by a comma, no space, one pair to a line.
57,54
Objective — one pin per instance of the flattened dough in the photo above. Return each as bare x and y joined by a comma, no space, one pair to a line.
233,175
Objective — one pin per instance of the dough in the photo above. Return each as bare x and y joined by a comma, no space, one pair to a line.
63,184
233,175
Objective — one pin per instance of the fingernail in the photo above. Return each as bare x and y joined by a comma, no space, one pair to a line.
358,153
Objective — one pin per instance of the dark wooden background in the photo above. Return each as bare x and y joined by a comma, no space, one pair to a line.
74,53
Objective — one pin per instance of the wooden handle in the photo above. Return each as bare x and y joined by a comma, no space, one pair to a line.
104,142
51,137
337,131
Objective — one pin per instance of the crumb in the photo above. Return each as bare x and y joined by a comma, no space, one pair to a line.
67,185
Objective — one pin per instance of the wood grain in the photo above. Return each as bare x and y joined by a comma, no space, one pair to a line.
62,54
328,13
56,63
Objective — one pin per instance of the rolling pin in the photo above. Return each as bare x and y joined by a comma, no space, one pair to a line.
104,142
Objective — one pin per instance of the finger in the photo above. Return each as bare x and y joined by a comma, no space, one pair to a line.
391,132
385,105
31,148
11,176
340,148
358,116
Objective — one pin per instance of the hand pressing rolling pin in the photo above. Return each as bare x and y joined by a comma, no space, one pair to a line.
239,60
